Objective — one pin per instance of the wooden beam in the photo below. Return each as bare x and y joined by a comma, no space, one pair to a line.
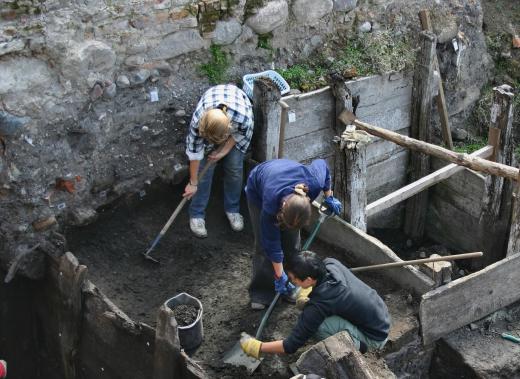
496,210
70,283
267,115
283,124
426,25
343,100
421,184
462,159
167,359
356,172
419,164
469,299
513,246
367,250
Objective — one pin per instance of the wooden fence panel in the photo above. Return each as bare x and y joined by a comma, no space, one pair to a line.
469,298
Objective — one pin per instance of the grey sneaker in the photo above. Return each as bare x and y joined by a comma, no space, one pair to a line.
236,221
198,227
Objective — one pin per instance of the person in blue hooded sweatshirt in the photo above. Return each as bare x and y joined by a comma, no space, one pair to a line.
279,195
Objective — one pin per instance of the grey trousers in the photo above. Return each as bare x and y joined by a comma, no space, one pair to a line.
261,288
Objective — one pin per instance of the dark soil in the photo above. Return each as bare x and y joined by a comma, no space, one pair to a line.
185,314
216,270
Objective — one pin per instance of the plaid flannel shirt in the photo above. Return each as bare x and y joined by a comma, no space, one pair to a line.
239,110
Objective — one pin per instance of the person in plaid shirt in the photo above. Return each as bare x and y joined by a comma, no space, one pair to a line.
222,120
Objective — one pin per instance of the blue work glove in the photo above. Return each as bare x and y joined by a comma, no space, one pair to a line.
282,285
333,204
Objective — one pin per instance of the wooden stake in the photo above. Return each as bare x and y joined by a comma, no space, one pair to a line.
343,102
420,129
462,159
356,170
283,123
267,114
496,211
513,245
167,356
426,25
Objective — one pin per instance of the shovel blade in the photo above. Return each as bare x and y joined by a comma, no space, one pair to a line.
237,357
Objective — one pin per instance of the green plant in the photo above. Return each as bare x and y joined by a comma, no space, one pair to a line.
471,146
215,69
264,41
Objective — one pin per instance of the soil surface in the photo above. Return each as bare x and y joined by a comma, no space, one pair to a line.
216,270
185,314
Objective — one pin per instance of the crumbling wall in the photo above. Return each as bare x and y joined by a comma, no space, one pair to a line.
79,124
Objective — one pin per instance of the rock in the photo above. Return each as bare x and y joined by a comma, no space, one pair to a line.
13,46
473,326
123,81
308,11
11,125
139,77
180,113
44,224
459,134
97,92
344,5
365,27
22,74
134,60
269,17
178,43
83,216
86,57
226,32
110,91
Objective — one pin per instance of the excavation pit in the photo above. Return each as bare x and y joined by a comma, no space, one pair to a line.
216,270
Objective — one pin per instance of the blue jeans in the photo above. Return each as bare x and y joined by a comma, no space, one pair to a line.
233,164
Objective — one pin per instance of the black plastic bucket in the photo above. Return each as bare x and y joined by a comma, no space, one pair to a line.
190,336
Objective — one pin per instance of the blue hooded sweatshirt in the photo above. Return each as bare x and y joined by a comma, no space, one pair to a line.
270,182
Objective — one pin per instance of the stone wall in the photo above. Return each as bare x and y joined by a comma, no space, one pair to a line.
78,122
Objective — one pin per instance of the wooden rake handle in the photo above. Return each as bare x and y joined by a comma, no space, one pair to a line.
417,261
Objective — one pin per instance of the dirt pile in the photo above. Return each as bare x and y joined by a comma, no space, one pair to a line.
185,314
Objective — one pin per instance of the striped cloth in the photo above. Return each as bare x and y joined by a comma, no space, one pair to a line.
239,110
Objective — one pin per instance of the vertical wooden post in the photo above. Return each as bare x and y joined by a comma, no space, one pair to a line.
167,362
339,174
70,283
426,25
356,173
496,211
267,114
416,206
513,246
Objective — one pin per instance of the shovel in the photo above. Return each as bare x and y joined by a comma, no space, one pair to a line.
236,355
171,219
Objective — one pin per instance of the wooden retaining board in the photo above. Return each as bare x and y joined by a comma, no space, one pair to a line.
470,298
458,199
368,250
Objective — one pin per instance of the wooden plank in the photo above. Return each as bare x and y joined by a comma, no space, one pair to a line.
310,145
463,159
311,114
426,24
470,204
469,299
70,280
513,245
283,124
343,100
380,150
421,184
368,250
356,173
267,114
167,354
384,176
419,164
495,209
